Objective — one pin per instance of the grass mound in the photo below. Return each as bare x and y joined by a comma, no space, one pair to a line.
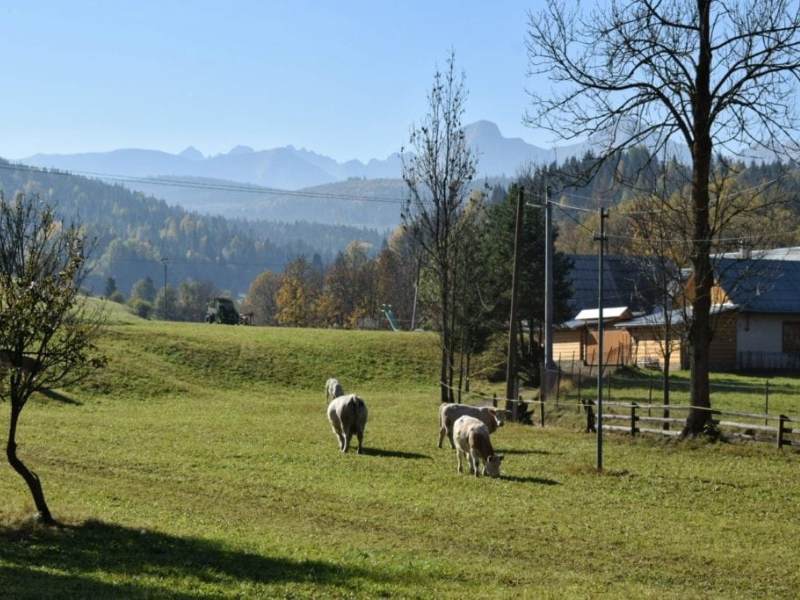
154,358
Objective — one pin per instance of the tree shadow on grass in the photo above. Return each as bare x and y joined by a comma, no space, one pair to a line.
59,397
393,454
523,451
79,561
537,480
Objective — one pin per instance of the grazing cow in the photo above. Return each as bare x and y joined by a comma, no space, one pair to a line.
448,413
333,389
348,416
472,441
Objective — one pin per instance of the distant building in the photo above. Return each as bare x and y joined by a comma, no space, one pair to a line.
755,315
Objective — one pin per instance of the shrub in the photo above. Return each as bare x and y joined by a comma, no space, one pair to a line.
142,308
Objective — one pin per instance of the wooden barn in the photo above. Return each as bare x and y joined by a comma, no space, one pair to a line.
626,293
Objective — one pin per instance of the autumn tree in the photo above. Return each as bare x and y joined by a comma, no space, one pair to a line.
710,76
396,269
47,330
299,289
166,304
438,170
144,289
193,298
261,298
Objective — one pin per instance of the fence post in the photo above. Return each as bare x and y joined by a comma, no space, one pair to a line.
541,413
609,385
494,400
781,421
558,383
580,381
766,401
590,426
633,418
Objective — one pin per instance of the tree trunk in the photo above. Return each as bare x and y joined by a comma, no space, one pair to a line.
446,343
34,485
700,330
466,379
667,357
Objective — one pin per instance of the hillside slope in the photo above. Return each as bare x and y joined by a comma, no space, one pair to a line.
154,358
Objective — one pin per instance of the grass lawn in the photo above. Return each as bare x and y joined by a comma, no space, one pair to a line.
201,464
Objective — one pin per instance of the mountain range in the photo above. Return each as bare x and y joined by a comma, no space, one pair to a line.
290,168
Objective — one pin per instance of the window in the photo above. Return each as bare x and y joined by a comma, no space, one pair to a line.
791,336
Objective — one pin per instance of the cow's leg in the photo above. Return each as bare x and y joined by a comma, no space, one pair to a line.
474,462
346,435
442,433
360,436
458,457
450,435
337,431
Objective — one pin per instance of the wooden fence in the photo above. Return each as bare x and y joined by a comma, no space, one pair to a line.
785,432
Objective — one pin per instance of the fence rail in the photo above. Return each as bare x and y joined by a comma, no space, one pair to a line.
783,433
786,432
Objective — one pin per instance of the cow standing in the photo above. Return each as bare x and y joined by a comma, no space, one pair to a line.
333,389
348,417
448,413
472,440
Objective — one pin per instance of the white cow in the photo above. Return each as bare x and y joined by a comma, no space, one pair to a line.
472,440
348,416
448,413
333,389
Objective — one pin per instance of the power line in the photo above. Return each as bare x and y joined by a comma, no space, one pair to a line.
575,220
199,185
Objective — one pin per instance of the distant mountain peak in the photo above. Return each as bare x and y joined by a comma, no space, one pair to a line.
240,150
483,129
192,153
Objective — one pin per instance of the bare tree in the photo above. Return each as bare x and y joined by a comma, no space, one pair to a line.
710,75
46,328
438,171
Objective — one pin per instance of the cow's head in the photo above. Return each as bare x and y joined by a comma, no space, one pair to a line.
498,416
492,468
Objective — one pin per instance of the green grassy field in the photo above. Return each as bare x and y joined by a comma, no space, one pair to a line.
200,464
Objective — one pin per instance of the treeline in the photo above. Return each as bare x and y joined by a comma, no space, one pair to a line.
351,291
133,232
755,206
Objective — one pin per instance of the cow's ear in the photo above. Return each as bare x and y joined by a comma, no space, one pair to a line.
500,457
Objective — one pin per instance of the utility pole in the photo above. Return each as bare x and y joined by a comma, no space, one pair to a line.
603,213
164,261
549,364
511,366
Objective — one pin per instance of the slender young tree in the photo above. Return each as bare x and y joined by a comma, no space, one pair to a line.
438,170
46,328
707,75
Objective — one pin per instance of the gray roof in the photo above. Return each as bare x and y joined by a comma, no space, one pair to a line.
625,282
761,286
656,318
789,253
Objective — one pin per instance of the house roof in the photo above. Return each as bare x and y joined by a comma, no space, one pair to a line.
657,317
761,286
789,253
593,314
625,282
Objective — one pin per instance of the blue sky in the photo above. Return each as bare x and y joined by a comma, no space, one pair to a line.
342,78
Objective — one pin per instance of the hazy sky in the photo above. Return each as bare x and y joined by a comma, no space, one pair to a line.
345,78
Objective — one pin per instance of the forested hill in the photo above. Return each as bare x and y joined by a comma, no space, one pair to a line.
134,231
